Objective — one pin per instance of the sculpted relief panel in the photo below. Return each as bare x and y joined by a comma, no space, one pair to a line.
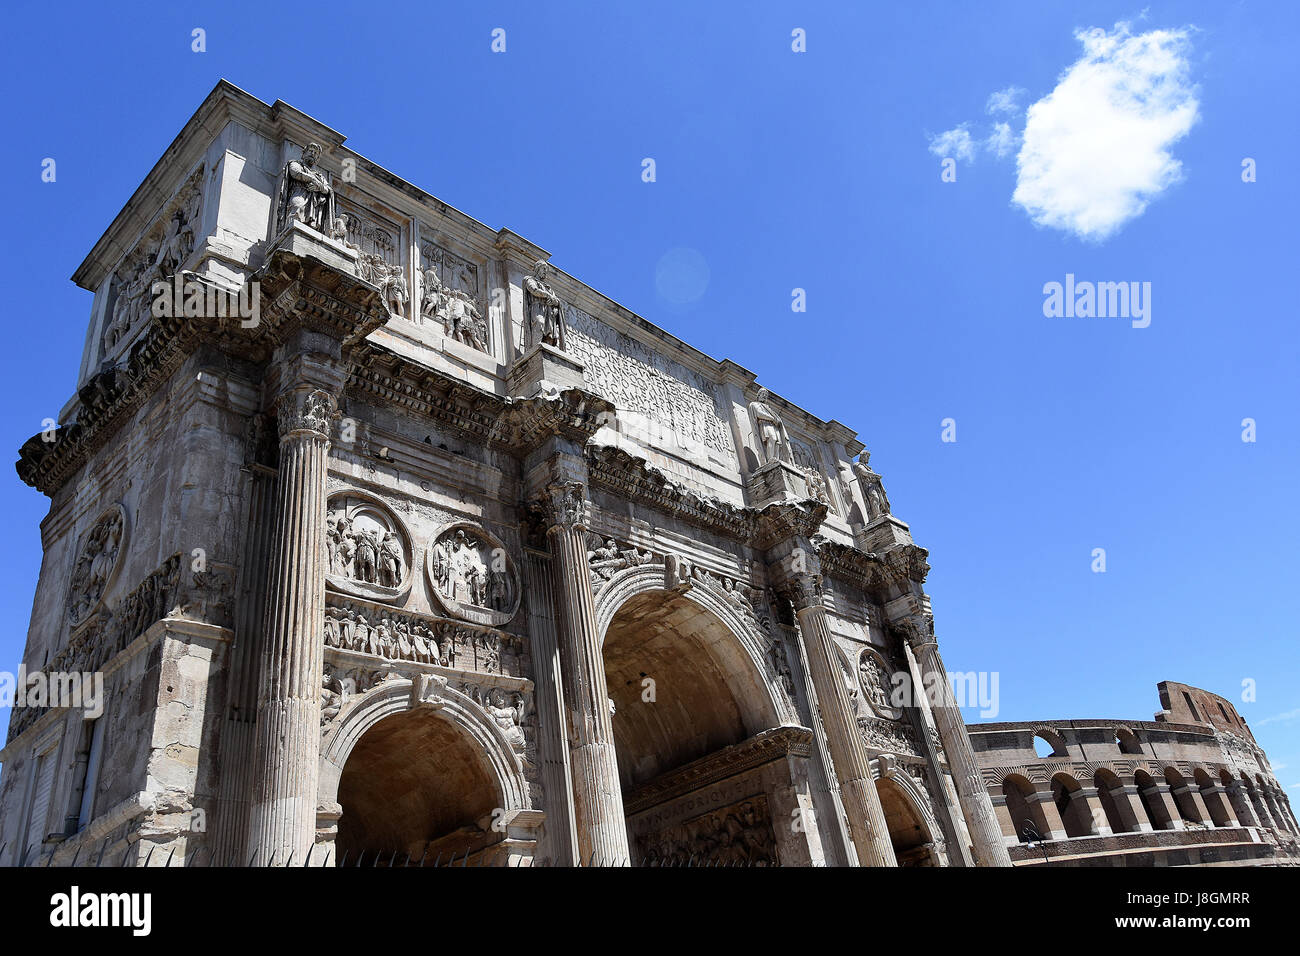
805,458
379,259
637,379
367,552
876,677
407,636
451,296
97,564
472,576
157,257
737,835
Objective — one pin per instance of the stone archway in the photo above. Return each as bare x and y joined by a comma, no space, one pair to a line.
712,762
912,828
416,773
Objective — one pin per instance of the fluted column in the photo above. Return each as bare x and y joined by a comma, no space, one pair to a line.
985,834
282,824
867,826
597,796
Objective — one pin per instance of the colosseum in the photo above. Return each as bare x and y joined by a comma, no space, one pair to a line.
1188,788
377,537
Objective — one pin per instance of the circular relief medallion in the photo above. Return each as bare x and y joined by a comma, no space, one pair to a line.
876,677
97,563
367,550
471,575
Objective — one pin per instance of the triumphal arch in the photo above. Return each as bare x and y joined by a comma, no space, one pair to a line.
392,542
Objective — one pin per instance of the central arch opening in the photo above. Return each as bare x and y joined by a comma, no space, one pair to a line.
414,790
684,691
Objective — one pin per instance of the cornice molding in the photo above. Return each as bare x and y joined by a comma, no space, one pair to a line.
758,750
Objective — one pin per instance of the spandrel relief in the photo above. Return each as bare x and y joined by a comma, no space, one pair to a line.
472,576
367,551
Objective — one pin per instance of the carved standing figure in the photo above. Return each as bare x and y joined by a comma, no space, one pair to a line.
772,436
545,310
390,561
305,193
366,553
393,289
433,300
873,490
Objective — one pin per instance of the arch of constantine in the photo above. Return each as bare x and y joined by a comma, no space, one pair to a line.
389,541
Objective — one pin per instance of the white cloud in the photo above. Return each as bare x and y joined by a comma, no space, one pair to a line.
1004,101
1002,141
955,143
1279,718
1095,150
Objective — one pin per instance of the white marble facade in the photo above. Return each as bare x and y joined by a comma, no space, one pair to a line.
445,554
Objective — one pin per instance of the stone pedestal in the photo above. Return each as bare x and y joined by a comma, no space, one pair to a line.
881,534
544,368
776,481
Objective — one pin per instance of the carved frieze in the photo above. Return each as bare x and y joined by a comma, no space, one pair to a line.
737,835
97,563
605,557
166,592
892,736
395,635
472,575
367,549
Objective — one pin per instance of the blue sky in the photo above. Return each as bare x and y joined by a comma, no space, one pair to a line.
814,170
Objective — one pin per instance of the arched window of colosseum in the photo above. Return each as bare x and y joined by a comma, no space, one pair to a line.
1074,810
1108,793
1049,744
1182,799
1024,809
1151,802
1127,741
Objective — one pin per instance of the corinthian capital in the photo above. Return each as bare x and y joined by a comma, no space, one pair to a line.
564,506
805,590
916,629
305,411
